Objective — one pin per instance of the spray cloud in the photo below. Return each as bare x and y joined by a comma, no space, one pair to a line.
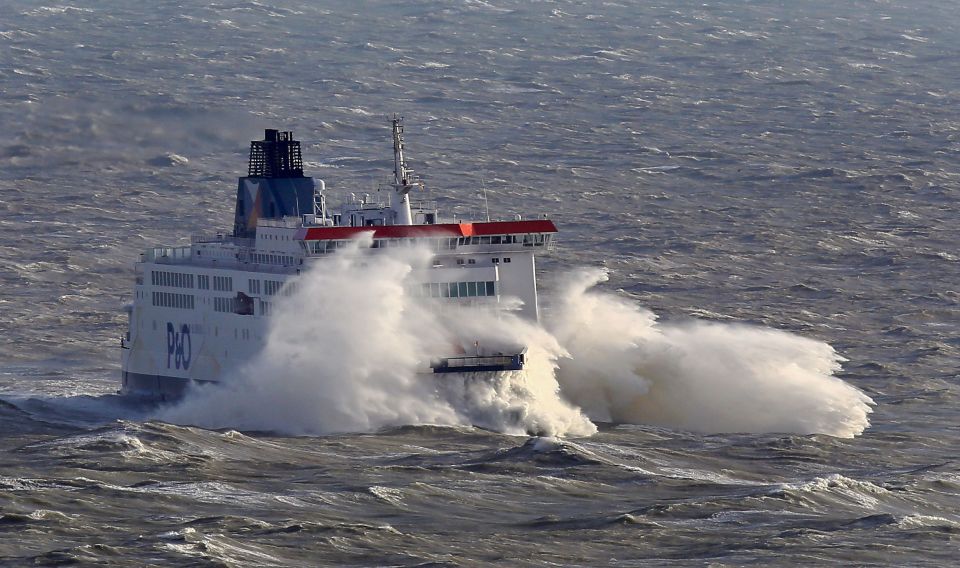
346,352
706,377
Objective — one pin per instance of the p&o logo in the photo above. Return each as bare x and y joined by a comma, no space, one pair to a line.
179,347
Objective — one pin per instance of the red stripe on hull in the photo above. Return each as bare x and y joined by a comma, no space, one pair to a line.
444,230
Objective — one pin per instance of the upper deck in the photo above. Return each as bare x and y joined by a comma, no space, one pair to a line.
282,218
293,243
466,229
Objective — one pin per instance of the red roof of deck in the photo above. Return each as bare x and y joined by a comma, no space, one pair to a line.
444,230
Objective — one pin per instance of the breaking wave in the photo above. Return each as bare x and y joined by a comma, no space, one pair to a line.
625,367
345,353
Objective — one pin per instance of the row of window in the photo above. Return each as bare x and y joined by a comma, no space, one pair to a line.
501,239
527,239
233,305
474,261
321,247
171,300
220,283
260,258
182,280
225,305
532,239
455,289
171,279
188,302
427,290
265,308
271,287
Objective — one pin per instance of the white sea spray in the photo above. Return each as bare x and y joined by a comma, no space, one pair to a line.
347,352
626,367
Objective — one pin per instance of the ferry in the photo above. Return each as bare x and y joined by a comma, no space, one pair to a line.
202,310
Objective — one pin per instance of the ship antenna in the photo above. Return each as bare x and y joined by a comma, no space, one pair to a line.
403,180
399,165
486,204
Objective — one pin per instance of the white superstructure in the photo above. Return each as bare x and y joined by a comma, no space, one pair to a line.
200,310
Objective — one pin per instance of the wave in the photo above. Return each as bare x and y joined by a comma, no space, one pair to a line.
345,353
834,488
623,366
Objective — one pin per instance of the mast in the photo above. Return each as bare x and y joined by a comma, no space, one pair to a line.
403,180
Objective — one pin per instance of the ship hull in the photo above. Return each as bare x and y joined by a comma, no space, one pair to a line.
161,388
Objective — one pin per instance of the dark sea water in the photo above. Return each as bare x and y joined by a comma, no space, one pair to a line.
785,165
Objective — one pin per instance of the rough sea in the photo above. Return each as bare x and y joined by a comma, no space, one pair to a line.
755,296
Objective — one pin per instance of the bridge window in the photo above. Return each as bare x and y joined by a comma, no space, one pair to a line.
455,289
